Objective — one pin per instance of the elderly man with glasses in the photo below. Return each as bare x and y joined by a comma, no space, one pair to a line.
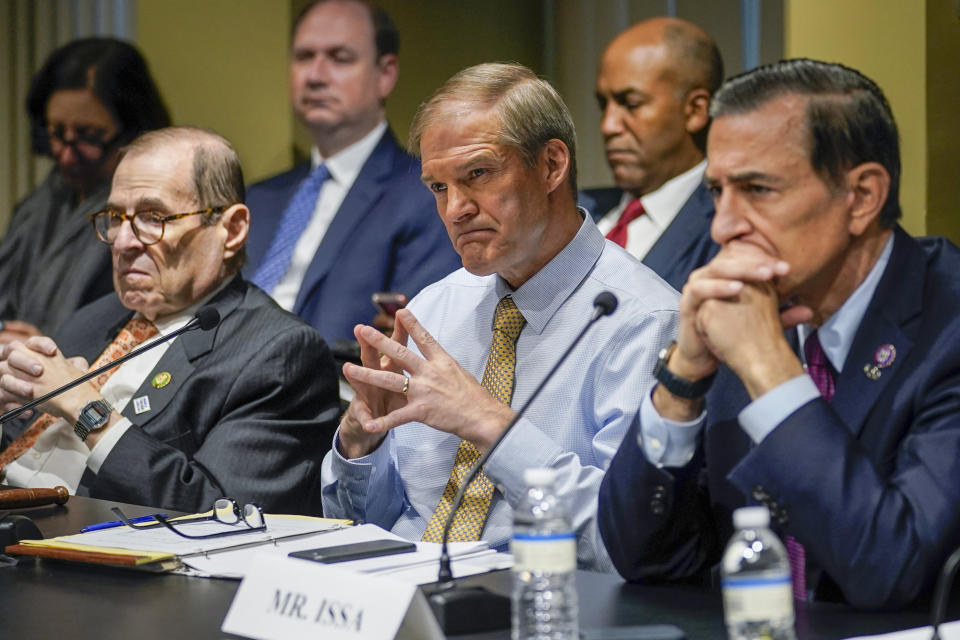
245,410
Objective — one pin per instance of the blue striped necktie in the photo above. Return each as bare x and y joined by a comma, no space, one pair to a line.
295,219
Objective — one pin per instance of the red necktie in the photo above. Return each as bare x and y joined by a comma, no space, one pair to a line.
819,369
631,212
136,331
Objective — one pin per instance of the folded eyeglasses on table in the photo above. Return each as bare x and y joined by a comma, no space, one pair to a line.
225,511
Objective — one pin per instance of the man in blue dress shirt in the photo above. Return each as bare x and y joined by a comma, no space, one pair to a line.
848,426
498,152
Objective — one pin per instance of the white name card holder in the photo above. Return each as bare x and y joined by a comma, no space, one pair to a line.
290,599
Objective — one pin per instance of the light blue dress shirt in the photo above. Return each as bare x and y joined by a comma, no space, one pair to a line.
575,425
671,444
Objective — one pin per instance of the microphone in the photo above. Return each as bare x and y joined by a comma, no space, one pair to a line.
474,609
941,595
207,318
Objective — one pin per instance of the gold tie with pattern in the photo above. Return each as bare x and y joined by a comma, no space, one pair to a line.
498,379
133,333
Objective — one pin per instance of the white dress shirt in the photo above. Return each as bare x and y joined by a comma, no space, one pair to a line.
344,168
59,457
575,426
660,208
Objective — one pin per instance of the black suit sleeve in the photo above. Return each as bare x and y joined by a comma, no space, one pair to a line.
263,439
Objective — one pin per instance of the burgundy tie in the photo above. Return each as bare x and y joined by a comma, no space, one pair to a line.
819,369
631,212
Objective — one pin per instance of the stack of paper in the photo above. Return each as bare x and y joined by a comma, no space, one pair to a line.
229,557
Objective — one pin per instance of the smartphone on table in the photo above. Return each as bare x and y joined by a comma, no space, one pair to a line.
355,551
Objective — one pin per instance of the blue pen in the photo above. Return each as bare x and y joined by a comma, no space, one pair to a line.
118,523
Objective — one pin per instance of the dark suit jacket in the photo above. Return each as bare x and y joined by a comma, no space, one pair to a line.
682,247
869,484
51,262
386,236
249,412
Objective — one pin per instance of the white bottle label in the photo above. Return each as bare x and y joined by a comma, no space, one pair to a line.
555,553
757,598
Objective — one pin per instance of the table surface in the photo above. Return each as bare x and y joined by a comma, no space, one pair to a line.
41,598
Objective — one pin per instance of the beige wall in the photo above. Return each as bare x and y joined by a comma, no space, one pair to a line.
222,64
943,118
912,50
440,37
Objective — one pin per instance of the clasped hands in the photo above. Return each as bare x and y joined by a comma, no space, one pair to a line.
730,313
439,392
34,367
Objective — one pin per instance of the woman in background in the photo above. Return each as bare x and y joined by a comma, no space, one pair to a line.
90,98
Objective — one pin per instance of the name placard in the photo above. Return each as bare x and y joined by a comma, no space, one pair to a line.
285,598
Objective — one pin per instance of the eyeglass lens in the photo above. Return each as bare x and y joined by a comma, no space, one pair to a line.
147,226
89,136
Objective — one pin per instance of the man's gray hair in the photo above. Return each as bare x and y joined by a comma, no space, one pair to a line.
529,111
217,175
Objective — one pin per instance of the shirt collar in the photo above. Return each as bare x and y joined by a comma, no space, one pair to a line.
837,333
539,297
663,205
345,165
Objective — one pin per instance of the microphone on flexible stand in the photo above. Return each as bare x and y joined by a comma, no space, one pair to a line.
942,593
475,609
207,318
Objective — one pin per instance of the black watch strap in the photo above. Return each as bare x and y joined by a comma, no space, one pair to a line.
680,387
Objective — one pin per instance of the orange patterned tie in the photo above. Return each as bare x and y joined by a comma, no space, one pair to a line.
498,379
136,331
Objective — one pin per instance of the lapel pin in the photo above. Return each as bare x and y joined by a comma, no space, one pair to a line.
161,380
883,357
141,405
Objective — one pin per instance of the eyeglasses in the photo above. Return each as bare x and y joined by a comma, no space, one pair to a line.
225,510
84,139
148,226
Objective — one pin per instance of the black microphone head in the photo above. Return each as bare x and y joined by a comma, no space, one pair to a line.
605,303
208,318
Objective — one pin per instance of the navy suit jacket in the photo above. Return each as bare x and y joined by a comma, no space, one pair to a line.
869,484
682,247
386,236
249,411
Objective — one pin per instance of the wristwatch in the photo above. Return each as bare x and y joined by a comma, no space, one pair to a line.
680,387
92,417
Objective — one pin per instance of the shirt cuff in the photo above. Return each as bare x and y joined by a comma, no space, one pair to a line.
667,443
106,444
762,416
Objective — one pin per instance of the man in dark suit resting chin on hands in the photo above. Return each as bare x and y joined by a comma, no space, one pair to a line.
833,336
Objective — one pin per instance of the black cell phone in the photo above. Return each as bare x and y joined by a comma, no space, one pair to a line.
355,551
389,302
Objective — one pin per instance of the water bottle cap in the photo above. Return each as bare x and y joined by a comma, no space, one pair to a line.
751,517
539,476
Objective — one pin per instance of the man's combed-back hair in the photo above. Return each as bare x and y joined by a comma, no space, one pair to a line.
848,118
216,173
530,111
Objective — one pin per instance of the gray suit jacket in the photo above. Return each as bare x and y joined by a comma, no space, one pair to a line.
249,412
51,262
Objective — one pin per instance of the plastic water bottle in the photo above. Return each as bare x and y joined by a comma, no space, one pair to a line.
757,592
544,551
